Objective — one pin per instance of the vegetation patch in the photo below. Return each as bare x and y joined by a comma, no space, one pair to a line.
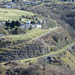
30,34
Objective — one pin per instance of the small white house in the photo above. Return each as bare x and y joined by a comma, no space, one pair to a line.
38,26
41,21
22,19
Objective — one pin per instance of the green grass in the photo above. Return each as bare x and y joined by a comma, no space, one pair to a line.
29,34
13,14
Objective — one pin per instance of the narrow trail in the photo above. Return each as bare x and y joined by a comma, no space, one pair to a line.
50,54
43,34
46,33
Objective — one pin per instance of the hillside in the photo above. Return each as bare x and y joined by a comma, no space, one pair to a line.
31,48
49,50
13,14
60,62
57,13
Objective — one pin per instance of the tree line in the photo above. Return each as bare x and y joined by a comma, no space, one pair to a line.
12,24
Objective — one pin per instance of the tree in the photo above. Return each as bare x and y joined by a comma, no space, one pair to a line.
16,30
30,28
32,22
17,23
6,24
13,24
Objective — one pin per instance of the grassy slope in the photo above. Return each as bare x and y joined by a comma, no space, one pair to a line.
13,14
29,34
69,60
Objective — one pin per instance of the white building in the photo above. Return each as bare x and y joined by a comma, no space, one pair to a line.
38,26
22,19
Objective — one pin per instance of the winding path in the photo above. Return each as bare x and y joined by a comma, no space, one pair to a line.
43,34
50,54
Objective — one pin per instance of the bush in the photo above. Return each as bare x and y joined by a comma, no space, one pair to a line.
30,28
52,49
16,31
32,22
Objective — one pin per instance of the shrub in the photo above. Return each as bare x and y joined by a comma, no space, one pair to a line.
52,49
30,28
16,31
32,22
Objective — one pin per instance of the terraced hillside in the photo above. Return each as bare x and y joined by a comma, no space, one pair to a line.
45,44
56,62
60,57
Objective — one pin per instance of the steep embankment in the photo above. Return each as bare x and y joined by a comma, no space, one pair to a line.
52,41
60,57
60,62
